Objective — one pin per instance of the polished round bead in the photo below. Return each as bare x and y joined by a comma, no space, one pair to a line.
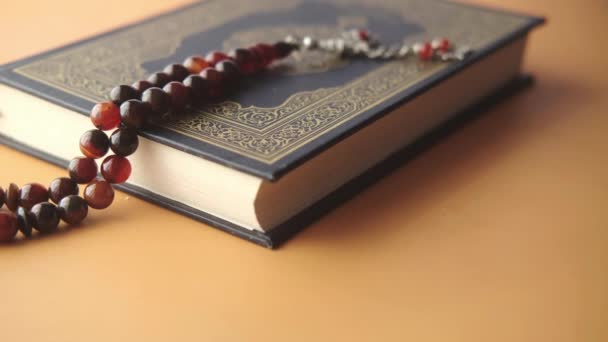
94,143
122,93
72,209
116,169
44,217
8,226
214,82
425,52
124,141
82,170
32,193
266,53
99,194
283,49
62,187
198,87
445,45
195,64
180,98
363,35
105,116
215,57
229,72
176,72
24,221
157,99
12,197
2,197
134,113
246,60
141,86
159,79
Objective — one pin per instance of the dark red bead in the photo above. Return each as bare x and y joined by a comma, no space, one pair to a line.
12,197
124,141
99,194
159,79
105,116
215,57
135,113
24,221
8,226
363,34
195,64
266,52
82,170
2,197
32,193
245,59
214,82
141,86
44,217
426,52
177,72
94,143
180,98
198,88
116,169
283,49
157,99
122,93
229,72
72,209
445,45
62,187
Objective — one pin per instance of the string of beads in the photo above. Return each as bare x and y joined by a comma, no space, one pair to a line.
163,94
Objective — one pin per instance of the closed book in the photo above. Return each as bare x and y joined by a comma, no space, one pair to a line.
287,144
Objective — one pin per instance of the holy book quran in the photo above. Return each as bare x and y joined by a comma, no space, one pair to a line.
295,142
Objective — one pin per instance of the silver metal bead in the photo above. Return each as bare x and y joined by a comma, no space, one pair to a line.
404,51
291,39
309,43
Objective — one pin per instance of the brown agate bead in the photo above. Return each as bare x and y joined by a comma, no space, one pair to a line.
179,96
8,226
134,113
195,64
157,99
283,49
44,217
12,197
32,193
72,209
94,143
215,57
82,170
245,59
62,187
105,116
124,141
141,86
266,53
197,86
122,93
99,194
229,72
214,82
159,79
176,72
24,221
2,197
116,169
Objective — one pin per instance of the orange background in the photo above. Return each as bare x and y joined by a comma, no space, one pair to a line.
499,233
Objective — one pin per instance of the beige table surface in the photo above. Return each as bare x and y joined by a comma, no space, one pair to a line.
499,233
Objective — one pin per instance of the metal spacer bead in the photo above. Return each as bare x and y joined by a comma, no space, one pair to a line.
309,43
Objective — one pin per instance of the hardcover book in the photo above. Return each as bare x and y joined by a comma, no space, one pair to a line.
292,142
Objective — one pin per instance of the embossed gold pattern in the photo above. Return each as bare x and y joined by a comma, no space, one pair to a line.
91,69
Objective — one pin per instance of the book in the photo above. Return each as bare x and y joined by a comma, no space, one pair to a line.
292,142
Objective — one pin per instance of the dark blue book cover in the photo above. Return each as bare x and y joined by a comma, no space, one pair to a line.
282,117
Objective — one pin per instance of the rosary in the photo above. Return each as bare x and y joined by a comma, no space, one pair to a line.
179,86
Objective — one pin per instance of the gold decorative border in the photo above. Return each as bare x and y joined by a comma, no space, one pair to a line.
91,69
